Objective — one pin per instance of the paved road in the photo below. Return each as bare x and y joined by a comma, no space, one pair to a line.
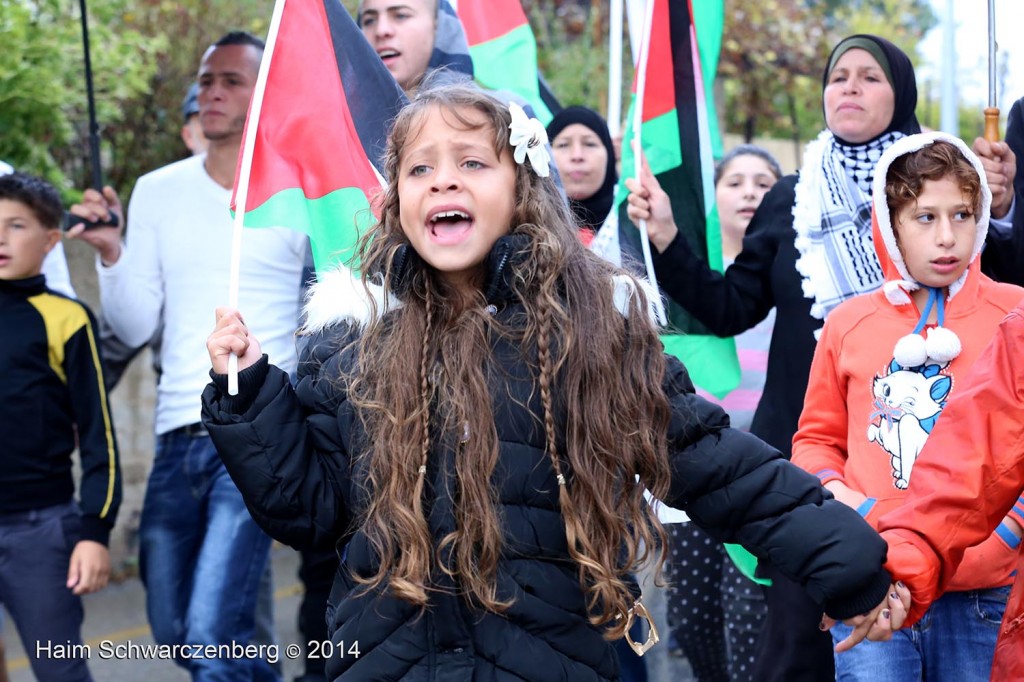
116,616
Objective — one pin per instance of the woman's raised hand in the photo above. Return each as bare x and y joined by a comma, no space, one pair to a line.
648,201
232,336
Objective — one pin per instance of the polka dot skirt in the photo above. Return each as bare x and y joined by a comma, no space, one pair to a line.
715,613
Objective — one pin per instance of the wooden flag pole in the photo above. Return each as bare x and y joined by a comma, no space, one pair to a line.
992,110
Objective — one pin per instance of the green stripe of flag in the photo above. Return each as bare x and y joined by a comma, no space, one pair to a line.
665,156
334,222
510,63
709,17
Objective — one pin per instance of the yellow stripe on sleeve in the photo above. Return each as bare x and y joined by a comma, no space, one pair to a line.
63,318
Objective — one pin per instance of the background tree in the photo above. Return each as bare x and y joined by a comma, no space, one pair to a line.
43,107
774,54
144,55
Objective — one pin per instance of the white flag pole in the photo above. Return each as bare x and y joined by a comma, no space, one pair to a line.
616,13
635,12
638,117
244,171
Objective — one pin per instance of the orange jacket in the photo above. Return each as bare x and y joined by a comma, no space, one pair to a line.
927,536
867,418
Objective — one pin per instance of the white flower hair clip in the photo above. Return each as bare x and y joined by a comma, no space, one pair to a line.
529,138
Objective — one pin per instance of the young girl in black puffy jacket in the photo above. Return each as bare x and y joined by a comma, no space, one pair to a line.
475,426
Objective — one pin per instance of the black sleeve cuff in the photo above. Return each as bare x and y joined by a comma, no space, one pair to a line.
867,599
676,250
249,381
95,529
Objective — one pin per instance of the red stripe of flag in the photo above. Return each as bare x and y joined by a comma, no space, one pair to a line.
493,21
660,92
307,137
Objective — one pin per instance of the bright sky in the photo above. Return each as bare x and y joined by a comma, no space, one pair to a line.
971,19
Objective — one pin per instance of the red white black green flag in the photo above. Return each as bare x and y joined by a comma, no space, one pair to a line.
677,135
317,129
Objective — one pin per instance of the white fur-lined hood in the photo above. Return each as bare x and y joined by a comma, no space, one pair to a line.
900,282
339,296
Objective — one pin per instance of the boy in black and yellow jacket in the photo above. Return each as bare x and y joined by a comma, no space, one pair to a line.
52,549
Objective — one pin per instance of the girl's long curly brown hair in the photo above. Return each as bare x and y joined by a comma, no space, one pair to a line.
422,382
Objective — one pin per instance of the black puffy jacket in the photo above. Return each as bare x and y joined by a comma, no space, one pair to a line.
290,451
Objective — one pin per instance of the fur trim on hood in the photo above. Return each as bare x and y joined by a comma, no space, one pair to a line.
339,296
899,283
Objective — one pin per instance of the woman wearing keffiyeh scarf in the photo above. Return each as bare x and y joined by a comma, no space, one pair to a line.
808,248
869,99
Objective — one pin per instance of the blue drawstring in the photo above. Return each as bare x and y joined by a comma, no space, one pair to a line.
933,296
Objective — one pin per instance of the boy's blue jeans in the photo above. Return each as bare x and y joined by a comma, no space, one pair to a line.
35,548
953,642
201,557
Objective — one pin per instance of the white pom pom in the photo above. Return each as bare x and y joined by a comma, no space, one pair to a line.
943,345
910,351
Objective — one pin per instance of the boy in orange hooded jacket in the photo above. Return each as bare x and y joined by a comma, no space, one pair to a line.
877,391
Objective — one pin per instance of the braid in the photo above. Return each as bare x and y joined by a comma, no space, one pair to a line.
409,579
425,385
425,358
605,588
544,359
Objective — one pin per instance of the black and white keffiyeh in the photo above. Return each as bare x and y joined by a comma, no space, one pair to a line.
859,160
832,220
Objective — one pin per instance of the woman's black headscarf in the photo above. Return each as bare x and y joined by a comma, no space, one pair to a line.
592,211
898,70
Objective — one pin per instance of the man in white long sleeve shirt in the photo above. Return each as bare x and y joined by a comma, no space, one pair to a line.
201,555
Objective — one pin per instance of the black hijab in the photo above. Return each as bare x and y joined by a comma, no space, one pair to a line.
592,211
898,69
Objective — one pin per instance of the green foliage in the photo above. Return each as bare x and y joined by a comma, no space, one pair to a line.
887,18
971,118
43,105
774,53
144,55
572,51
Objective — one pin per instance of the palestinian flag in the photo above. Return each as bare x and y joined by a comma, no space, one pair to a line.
504,52
320,112
677,136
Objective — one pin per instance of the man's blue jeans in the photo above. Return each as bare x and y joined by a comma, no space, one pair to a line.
201,557
953,642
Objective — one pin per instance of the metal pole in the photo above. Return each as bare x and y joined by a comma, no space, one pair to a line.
615,67
94,128
991,54
949,110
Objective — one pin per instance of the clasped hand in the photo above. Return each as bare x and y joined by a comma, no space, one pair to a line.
878,624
